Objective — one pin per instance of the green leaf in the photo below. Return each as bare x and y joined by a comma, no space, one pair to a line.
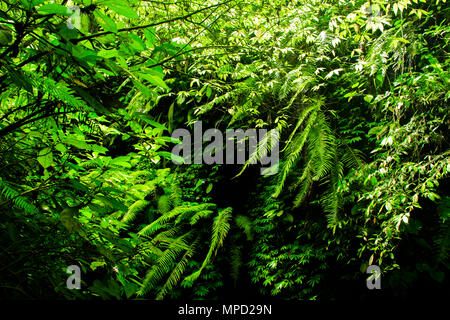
143,88
208,92
170,116
171,156
54,8
368,98
76,143
137,42
99,149
151,122
61,148
122,162
155,80
150,36
122,8
45,157
106,22
104,224
108,53
95,264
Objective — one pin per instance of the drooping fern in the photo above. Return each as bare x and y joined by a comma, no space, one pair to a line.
165,263
269,141
293,150
134,209
314,149
167,266
221,226
177,272
320,154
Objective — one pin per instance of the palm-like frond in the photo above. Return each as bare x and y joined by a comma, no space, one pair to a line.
221,226
178,271
134,209
264,146
184,210
164,264
292,153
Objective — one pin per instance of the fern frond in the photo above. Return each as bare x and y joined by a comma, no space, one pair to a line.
236,263
178,271
161,221
352,158
221,226
305,184
59,91
298,80
196,217
321,144
265,145
133,210
330,200
13,195
175,195
164,204
315,106
245,223
167,235
242,111
293,153
200,215
163,265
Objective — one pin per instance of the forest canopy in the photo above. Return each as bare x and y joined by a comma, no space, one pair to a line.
91,92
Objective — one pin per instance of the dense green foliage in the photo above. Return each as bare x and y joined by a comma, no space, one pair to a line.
358,91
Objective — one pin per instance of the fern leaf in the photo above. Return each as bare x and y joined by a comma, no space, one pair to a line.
163,265
245,223
58,91
302,118
161,221
221,226
270,140
164,204
321,147
304,187
12,195
133,210
293,153
178,271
